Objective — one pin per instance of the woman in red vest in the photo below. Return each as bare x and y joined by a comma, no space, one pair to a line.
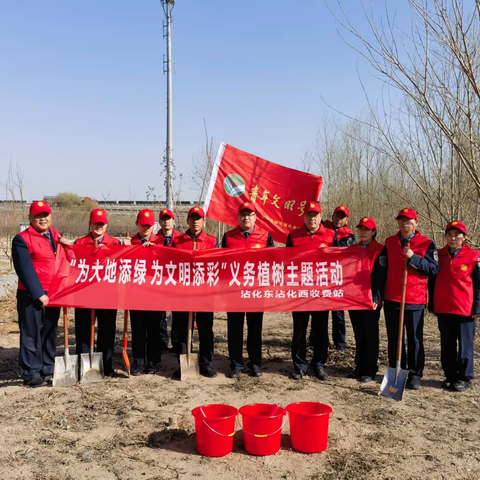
106,317
312,235
365,322
456,302
196,239
245,235
33,254
410,246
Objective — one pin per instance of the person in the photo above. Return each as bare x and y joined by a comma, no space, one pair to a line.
456,303
245,235
419,253
106,317
344,237
146,333
312,235
196,239
365,322
33,254
168,234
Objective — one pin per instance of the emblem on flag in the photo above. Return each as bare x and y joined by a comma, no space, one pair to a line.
234,185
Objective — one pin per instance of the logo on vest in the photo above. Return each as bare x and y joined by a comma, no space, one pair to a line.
435,256
257,246
234,185
464,268
382,260
322,245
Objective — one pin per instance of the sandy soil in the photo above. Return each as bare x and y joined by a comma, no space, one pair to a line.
119,429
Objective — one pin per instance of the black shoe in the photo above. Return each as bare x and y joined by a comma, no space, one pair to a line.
365,379
136,370
235,372
413,383
309,350
297,376
461,385
48,379
355,374
150,369
176,374
341,349
208,372
37,382
320,373
255,373
447,384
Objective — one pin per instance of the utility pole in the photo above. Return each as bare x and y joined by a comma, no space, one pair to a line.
168,69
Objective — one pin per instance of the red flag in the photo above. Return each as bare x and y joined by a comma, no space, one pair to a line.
279,193
217,280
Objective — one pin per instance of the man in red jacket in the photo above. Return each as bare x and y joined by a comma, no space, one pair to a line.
410,246
312,235
455,299
344,237
33,253
246,235
196,239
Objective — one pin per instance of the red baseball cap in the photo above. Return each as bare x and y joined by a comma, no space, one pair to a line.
166,212
458,225
197,210
36,208
313,207
367,222
98,215
146,217
407,212
342,208
247,206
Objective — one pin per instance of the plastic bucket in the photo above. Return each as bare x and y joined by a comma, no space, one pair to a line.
309,426
214,429
262,428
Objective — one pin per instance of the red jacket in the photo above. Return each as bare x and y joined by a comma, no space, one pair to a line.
41,254
236,239
454,292
301,237
161,239
153,238
416,281
342,233
202,242
373,251
106,240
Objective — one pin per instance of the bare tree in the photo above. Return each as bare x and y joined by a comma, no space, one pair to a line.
202,167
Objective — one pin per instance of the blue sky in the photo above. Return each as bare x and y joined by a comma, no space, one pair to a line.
83,95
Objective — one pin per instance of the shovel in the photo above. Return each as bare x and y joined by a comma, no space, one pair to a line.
189,368
395,379
126,360
91,364
65,373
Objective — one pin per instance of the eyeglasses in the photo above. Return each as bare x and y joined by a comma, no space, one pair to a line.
245,215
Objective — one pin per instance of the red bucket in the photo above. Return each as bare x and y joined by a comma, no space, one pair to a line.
309,426
214,429
262,428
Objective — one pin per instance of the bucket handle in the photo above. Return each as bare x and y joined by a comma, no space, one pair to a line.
256,435
218,433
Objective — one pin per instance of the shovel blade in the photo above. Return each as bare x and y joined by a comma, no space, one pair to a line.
394,387
91,371
189,370
65,373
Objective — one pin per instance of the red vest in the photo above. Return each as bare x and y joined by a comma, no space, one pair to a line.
160,239
342,233
236,239
202,242
416,282
454,284
107,240
153,238
373,251
41,253
323,237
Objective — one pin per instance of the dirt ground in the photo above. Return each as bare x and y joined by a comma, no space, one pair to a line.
119,429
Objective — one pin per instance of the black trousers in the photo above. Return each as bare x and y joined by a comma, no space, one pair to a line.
338,329
456,341
105,334
163,331
204,322
146,337
318,338
367,339
38,337
413,325
235,325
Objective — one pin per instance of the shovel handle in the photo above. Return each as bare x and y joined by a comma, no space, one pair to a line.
402,311
189,336
65,327
92,329
125,326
